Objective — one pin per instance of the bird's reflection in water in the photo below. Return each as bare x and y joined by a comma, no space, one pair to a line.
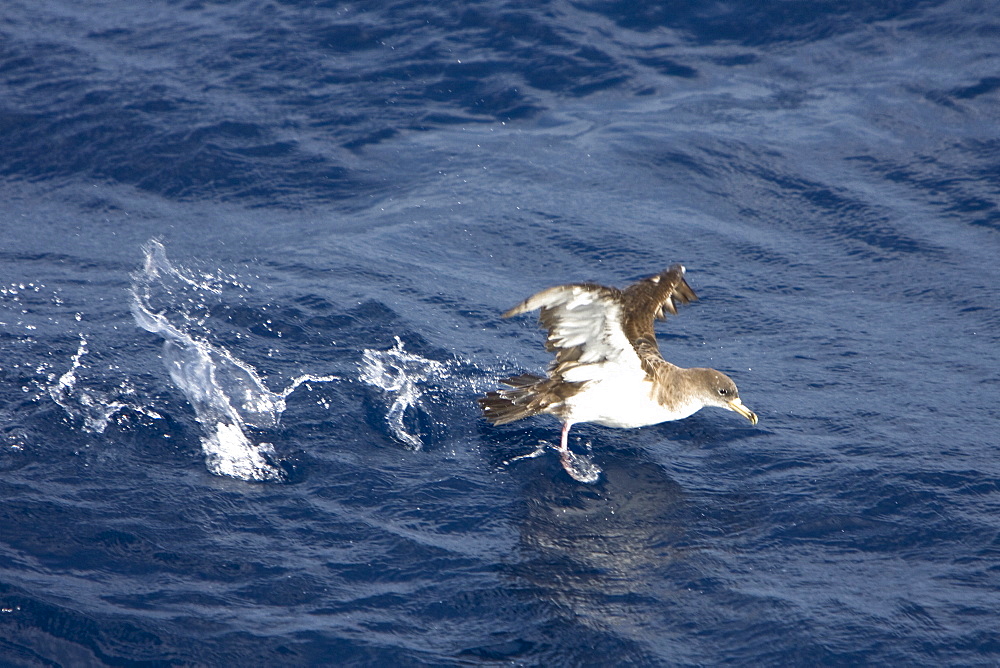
602,551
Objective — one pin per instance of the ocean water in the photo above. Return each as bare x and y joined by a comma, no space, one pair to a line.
253,259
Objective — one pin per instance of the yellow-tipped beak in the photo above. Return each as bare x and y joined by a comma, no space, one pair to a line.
737,405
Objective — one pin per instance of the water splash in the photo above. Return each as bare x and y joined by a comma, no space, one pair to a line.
227,394
400,376
32,313
580,467
94,407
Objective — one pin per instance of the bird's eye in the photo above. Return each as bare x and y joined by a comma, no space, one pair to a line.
723,391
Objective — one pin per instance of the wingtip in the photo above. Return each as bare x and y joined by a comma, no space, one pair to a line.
524,307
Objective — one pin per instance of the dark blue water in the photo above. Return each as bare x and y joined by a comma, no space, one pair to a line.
252,262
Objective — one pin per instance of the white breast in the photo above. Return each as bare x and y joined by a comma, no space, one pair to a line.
622,401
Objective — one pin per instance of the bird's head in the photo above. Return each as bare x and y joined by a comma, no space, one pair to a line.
718,389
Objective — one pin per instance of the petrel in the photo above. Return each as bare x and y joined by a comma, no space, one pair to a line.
608,368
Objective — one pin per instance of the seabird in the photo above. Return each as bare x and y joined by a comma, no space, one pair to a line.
608,368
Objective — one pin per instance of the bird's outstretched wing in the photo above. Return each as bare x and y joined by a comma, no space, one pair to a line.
646,301
592,327
584,325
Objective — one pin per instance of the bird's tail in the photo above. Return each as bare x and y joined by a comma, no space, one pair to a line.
525,398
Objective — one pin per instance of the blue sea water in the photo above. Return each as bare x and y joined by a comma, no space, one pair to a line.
252,264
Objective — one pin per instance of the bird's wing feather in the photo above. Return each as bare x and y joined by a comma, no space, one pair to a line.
646,301
584,322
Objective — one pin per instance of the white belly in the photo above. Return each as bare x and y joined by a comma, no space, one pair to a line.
622,402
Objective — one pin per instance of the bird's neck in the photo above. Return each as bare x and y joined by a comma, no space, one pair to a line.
672,383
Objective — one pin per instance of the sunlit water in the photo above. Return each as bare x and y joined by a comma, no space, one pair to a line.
253,262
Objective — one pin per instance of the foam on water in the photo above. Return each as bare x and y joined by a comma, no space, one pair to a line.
228,395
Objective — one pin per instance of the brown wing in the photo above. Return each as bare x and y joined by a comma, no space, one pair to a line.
647,300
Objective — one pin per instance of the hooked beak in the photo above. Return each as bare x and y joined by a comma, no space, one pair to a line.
737,405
